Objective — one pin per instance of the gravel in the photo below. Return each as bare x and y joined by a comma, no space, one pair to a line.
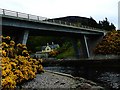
54,80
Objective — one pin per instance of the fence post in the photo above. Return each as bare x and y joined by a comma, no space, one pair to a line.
17,14
65,23
3,11
28,16
38,18
59,22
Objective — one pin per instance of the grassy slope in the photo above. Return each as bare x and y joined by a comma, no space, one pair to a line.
69,53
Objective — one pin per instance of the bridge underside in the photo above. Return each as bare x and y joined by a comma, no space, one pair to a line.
88,41
18,31
35,32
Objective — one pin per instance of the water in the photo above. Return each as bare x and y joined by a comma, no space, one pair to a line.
109,78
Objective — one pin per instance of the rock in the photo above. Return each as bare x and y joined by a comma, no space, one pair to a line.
84,86
62,83
90,82
97,88
56,82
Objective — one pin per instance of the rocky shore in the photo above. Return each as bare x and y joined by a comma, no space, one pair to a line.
55,80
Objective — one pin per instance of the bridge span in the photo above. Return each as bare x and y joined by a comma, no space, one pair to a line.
22,25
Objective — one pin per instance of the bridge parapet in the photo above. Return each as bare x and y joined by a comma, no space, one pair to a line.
15,14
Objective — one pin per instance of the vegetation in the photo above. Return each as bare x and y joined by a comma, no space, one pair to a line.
105,24
17,65
110,44
66,50
36,42
66,53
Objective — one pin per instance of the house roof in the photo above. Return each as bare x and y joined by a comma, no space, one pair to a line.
43,47
54,46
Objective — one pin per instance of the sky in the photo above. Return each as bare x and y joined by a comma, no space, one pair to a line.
97,9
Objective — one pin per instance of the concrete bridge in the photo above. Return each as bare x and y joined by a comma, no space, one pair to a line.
21,25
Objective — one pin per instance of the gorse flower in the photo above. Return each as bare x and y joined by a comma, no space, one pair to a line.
17,66
110,44
12,43
7,38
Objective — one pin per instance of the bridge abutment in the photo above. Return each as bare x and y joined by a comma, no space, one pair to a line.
92,42
87,45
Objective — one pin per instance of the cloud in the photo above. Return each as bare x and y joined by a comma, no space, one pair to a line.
98,9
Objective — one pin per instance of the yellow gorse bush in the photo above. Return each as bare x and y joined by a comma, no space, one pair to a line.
110,44
17,66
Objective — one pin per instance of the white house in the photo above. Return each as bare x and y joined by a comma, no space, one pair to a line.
48,48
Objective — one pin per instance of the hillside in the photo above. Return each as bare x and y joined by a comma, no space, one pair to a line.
76,19
105,24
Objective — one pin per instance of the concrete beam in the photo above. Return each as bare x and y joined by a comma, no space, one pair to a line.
44,26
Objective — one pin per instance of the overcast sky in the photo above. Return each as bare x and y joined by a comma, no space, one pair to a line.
98,9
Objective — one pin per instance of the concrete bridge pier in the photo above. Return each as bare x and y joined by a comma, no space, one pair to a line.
84,50
23,37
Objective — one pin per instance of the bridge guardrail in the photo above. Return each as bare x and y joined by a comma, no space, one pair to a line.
39,18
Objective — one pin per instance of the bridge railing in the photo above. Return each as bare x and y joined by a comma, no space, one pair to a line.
39,18
21,15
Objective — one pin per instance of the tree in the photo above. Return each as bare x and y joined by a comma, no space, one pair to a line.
92,23
112,26
105,24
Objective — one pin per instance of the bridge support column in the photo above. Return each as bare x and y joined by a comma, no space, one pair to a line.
23,38
84,50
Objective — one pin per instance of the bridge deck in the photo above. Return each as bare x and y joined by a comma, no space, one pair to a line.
34,18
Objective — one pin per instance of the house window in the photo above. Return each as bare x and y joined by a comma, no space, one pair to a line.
47,48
